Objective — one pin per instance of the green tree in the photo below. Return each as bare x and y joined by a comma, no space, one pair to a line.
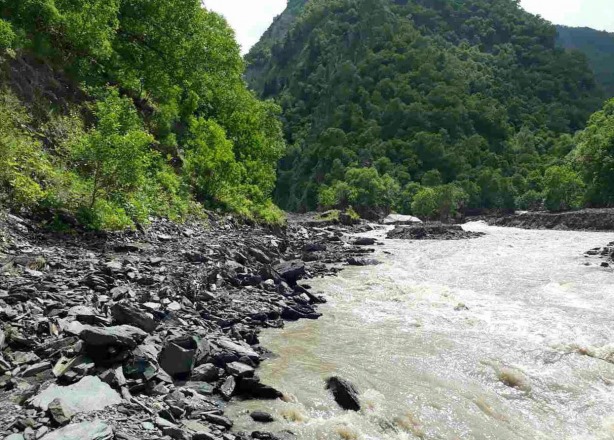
594,156
564,189
115,156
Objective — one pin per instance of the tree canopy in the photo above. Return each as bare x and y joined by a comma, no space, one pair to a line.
433,92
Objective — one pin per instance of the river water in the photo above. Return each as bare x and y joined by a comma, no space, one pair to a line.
508,336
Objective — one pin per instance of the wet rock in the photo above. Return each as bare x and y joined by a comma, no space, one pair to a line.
299,312
364,241
218,420
121,336
252,387
95,430
353,261
261,417
344,392
126,314
176,433
87,395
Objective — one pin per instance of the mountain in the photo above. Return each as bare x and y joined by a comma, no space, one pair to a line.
598,47
382,99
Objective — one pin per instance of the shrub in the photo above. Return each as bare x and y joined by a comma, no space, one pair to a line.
563,188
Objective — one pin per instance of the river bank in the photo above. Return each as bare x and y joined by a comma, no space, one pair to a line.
160,326
582,220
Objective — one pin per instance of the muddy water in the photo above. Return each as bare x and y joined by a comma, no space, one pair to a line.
509,336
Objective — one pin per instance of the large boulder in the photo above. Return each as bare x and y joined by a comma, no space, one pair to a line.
180,355
398,219
95,430
87,395
344,392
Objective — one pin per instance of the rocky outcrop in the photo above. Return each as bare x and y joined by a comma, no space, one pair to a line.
431,231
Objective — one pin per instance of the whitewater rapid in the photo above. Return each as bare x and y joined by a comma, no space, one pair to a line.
508,336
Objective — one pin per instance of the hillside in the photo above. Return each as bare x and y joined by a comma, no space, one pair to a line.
383,99
111,113
598,47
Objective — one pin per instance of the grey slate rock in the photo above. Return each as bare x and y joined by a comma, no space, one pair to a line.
176,360
228,387
261,417
239,369
95,430
87,395
126,314
206,373
59,412
121,335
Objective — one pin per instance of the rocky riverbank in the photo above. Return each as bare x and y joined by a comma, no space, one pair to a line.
583,220
146,335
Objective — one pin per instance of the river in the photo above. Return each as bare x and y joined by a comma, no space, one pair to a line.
508,336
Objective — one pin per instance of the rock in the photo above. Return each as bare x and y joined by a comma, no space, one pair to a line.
218,420
114,377
2,339
398,219
180,355
206,373
125,314
228,387
353,261
121,336
36,368
344,392
297,312
240,350
87,395
95,430
252,387
239,369
15,437
59,412
364,241
261,417
176,433
291,271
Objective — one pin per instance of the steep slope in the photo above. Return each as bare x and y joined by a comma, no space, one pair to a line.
598,47
110,112
379,95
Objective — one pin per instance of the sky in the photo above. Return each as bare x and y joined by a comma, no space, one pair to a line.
250,18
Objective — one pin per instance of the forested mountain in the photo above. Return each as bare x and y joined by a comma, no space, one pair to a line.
396,103
598,47
115,110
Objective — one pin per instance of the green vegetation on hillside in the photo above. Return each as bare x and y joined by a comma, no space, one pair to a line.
428,106
598,46
115,110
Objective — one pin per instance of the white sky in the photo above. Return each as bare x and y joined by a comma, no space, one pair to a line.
250,18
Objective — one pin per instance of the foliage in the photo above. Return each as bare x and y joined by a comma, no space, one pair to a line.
361,188
594,156
564,189
598,46
439,203
25,171
474,93
164,113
